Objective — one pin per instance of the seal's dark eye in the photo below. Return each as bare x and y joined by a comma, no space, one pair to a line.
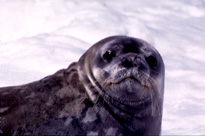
108,55
152,61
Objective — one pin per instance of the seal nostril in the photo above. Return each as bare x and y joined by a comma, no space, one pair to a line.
127,63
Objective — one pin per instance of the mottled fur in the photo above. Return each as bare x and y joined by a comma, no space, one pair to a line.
73,102
55,105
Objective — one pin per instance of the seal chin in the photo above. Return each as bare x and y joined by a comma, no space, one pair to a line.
129,88
139,107
130,95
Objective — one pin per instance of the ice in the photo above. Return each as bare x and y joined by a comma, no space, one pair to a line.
39,37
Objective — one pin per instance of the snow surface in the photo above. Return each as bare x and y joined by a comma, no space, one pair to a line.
39,37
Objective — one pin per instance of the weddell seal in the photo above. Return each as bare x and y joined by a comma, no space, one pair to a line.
116,88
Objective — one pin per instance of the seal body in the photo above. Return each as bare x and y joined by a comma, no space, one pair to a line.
116,88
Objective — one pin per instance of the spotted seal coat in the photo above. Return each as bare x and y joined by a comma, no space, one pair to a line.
116,88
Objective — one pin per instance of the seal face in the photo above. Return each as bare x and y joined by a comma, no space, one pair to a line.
128,73
116,88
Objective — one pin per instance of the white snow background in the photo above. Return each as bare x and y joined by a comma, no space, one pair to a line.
39,37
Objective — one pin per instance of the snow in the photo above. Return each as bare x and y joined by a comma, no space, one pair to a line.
37,38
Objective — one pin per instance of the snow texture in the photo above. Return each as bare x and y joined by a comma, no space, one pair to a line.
39,37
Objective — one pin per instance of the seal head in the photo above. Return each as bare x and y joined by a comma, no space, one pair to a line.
127,73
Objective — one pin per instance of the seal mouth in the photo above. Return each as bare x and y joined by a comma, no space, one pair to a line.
133,74
129,87
129,79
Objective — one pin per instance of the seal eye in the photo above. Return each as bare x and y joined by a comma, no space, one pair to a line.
108,55
152,61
